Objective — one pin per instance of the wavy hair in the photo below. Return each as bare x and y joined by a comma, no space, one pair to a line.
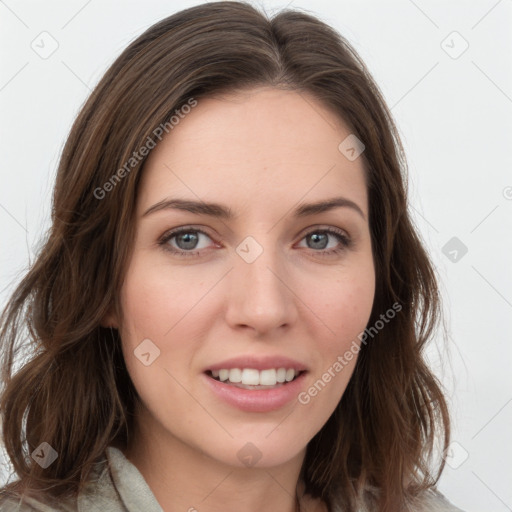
74,391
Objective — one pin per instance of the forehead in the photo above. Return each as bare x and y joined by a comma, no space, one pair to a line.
266,146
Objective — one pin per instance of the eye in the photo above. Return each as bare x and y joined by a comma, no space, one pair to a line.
184,241
319,239
187,239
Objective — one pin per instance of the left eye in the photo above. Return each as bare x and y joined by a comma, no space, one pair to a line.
186,240
320,239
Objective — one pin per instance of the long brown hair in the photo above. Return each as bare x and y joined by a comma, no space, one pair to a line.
74,391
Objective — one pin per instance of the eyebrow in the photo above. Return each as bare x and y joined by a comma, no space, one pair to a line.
224,212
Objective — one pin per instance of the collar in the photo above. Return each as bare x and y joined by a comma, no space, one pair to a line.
119,487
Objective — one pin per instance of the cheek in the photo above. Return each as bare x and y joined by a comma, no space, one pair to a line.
151,326
156,310
156,299
346,306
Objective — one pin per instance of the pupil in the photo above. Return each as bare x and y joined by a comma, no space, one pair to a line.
316,236
190,240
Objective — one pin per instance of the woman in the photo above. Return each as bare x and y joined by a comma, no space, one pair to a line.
231,307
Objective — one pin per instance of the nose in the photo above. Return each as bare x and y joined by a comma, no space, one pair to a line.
260,294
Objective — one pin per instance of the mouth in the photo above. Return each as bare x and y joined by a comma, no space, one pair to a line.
256,391
256,383
254,379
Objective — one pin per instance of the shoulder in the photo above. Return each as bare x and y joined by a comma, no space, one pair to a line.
433,501
430,500
114,485
28,504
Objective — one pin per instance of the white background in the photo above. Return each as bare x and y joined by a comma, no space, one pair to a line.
455,118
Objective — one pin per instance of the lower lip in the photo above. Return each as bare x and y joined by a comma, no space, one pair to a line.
258,400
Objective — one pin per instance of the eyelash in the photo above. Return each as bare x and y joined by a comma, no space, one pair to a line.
345,241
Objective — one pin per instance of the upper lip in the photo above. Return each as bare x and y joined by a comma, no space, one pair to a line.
258,363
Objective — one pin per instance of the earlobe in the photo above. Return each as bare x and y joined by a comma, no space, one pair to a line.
109,320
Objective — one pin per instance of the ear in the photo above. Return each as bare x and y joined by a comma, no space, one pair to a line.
110,320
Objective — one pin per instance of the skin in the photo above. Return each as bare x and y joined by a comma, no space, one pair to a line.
260,152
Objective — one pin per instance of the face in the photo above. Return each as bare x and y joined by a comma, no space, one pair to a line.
256,290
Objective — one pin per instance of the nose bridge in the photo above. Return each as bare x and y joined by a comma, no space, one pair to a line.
260,297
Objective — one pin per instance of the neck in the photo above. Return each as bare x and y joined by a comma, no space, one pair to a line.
183,478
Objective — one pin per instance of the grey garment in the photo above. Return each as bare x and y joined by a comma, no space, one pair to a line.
433,501
118,486
430,501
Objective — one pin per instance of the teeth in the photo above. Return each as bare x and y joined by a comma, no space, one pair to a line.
252,377
268,377
290,374
235,375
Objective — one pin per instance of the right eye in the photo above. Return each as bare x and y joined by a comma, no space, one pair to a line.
186,237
